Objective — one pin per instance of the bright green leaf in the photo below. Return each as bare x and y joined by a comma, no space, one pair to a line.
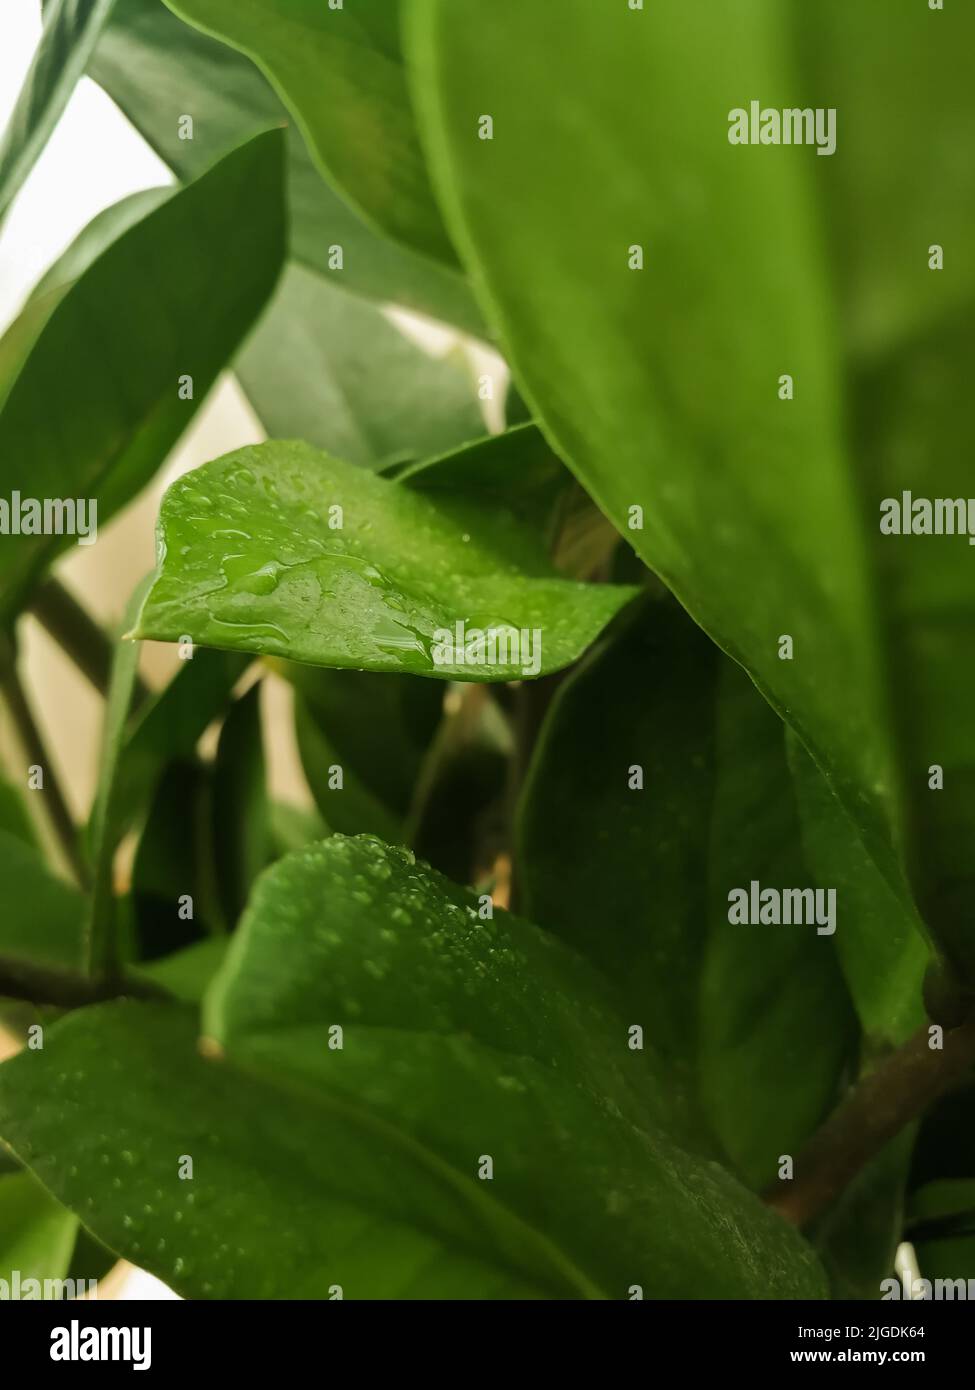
280,550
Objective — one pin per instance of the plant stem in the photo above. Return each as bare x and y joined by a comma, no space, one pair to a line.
888,1098
79,636
20,980
35,751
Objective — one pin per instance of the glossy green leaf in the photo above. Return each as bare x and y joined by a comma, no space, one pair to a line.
507,1046
883,953
71,28
281,550
36,1237
661,386
686,797
156,68
241,834
96,407
340,72
328,367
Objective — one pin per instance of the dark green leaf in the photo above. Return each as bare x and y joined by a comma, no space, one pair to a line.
280,550
173,890
71,28
241,835
756,1017
96,407
376,729
882,949
340,72
916,435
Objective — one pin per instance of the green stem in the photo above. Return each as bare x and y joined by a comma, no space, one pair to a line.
36,754
20,980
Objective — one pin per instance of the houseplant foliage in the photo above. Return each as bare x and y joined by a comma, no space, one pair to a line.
485,1023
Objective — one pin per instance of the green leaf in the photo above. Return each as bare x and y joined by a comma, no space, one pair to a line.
40,915
293,827
504,1043
660,387
331,369
169,727
241,834
156,68
883,951
96,407
71,29
755,1018
516,469
377,729
253,558
94,239
186,974
37,1235
340,72
885,214
174,861
915,435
